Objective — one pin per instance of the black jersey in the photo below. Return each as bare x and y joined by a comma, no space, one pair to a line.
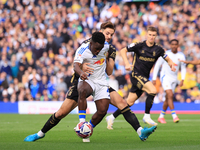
145,57
111,54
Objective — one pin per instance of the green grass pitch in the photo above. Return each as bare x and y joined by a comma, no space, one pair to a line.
184,135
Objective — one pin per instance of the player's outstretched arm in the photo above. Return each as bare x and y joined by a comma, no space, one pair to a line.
194,62
123,52
156,69
170,63
77,69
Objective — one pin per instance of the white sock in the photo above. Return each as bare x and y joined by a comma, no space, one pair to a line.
40,133
147,115
139,131
161,115
82,119
174,116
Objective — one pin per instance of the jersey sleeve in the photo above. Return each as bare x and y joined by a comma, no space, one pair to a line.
157,67
78,56
163,54
133,47
112,52
183,68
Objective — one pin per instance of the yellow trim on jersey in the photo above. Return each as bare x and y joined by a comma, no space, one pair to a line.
134,59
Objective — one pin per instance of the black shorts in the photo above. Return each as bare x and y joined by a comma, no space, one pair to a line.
138,82
73,93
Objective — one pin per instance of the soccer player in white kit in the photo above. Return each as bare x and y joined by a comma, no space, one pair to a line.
169,78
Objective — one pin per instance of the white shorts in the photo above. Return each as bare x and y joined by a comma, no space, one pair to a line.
168,83
99,91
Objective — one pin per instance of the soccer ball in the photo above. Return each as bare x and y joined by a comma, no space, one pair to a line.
84,129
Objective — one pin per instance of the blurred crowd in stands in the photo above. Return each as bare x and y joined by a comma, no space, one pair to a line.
38,40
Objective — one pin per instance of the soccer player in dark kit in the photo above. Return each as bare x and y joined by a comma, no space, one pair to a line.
145,55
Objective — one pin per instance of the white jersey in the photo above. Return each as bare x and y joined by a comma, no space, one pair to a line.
166,70
97,62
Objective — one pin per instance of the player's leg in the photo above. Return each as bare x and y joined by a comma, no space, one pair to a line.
84,89
102,107
120,103
67,106
161,118
150,89
170,95
130,117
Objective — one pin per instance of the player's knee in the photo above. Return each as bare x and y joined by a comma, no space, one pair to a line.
169,95
60,114
153,91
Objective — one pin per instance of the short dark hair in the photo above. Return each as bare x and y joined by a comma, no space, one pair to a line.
107,25
151,28
98,37
174,40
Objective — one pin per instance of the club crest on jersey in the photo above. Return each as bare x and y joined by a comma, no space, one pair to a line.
142,51
99,62
154,53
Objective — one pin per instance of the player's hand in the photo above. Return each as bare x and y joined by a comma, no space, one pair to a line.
128,67
154,82
181,83
173,67
182,61
83,76
87,69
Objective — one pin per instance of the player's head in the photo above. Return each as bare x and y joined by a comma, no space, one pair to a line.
97,42
174,45
108,30
151,34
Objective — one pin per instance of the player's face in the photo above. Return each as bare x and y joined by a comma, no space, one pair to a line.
151,36
108,33
174,46
95,47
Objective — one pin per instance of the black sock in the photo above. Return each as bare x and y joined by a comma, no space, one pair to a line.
130,117
149,102
53,121
118,112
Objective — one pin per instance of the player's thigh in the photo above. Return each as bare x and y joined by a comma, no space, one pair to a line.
84,88
117,100
169,94
67,106
149,88
132,97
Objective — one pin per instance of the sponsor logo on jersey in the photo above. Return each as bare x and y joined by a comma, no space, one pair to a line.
99,62
147,59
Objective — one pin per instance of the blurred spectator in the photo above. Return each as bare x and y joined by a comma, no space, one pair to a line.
34,87
61,86
43,36
45,96
43,84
